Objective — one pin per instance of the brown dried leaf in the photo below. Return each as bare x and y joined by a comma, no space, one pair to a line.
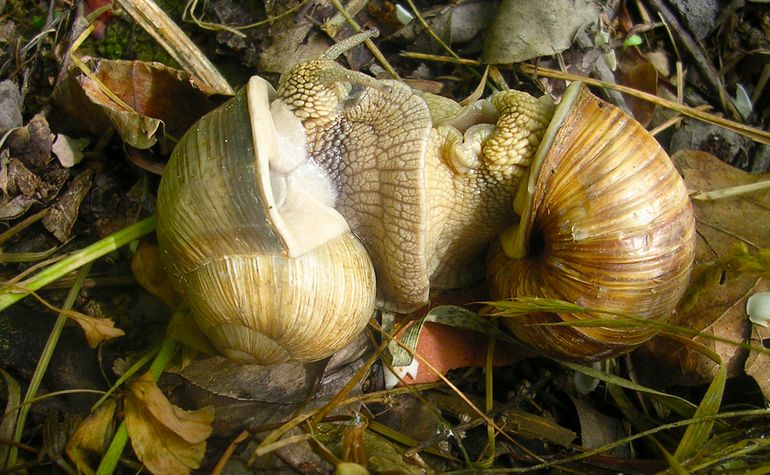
91,436
167,439
446,348
96,329
758,364
155,100
32,143
64,212
638,73
16,207
21,181
717,303
148,271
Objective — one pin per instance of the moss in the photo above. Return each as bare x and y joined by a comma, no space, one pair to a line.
125,40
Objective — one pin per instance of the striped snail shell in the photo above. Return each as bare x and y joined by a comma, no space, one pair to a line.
248,231
606,223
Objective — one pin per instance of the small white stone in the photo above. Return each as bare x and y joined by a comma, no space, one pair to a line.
403,15
758,308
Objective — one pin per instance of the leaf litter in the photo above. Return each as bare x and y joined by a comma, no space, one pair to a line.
525,398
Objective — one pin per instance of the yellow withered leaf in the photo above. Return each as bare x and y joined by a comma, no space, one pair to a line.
166,438
91,436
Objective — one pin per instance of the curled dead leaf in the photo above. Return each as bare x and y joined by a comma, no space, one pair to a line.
166,438
141,100
147,269
91,437
96,329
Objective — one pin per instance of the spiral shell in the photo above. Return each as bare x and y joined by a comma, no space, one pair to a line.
249,234
609,226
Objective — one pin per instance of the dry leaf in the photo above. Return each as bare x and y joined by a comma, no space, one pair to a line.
148,271
96,329
446,348
758,364
152,99
638,73
64,212
527,29
718,291
91,436
598,429
68,151
167,439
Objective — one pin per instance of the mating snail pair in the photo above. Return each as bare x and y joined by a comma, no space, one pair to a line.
287,215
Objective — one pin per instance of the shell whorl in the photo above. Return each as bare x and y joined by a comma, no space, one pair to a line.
248,232
609,226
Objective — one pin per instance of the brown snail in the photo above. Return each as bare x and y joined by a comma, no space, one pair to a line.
370,178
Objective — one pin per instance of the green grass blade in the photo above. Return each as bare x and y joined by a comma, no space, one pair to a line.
9,296
698,433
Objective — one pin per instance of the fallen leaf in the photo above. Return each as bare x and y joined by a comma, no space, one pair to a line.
758,363
638,73
148,271
166,438
96,329
91,436
32,143
141,100
16,207
10,106
68,151
21,181
64,212
598,429
457,338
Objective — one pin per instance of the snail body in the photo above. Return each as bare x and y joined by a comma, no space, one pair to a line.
395,192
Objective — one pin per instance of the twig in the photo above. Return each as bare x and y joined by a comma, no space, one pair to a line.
710,75
758,135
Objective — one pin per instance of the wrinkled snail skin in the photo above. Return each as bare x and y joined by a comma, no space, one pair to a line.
424,191
472,173
610,227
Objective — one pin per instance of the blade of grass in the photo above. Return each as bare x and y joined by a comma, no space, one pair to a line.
626,440
8,420
681,406
697,434
88,254
42,364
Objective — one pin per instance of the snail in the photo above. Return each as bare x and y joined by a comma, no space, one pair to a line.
287,215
